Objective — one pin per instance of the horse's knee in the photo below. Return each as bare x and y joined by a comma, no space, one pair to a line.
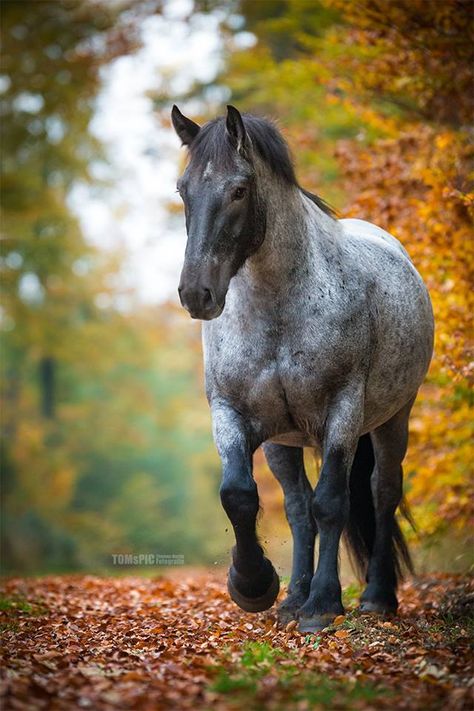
239,499
330,502
331,497
330,507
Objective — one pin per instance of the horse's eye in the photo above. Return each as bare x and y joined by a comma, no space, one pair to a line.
238,193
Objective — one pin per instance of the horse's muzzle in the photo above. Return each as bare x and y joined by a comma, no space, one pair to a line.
200,302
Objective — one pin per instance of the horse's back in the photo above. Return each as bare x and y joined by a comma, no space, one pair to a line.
361,228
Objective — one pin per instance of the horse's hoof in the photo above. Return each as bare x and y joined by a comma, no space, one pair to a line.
316,623
378,608
255,604
288,610
286,615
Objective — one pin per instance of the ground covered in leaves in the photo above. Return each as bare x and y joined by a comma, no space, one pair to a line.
176,643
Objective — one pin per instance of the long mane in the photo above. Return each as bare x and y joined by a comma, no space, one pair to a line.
211,143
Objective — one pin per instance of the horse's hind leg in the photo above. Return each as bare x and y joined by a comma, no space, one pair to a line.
287,465
390,445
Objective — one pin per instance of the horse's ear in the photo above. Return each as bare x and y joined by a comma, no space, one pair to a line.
236,129
186,129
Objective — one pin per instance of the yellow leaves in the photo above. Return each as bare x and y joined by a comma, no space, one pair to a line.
443,141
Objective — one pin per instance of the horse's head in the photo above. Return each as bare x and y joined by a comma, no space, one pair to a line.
225,219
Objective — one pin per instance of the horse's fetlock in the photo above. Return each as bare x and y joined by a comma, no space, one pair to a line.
383,592
330,591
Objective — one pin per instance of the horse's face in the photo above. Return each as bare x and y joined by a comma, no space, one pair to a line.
225,221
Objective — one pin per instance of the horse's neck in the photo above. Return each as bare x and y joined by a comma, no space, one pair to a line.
298,241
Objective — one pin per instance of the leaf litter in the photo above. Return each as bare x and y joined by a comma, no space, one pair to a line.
86,642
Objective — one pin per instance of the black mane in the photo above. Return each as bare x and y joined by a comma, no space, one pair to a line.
212,143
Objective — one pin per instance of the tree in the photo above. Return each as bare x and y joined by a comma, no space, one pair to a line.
95,445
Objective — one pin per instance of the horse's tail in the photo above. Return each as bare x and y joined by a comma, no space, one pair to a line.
360,530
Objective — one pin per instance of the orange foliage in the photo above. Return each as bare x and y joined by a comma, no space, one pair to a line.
417,185
398,76
180,643
410,186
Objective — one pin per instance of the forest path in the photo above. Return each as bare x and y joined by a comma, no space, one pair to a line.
87,642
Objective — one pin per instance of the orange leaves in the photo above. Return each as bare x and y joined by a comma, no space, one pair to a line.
291,626
95,643
416,55
135,643
395,81
416,187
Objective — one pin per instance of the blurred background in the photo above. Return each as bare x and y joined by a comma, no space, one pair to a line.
105,432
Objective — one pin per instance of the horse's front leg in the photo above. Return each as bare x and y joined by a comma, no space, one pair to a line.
331,510
252,581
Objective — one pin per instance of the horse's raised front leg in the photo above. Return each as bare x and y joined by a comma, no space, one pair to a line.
287,465
331,509
252,581
390,445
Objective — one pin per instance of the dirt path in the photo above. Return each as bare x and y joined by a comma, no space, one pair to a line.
74,642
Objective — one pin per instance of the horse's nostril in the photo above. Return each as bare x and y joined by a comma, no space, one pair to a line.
208,297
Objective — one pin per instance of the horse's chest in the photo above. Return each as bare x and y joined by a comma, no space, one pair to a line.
270,378
245,371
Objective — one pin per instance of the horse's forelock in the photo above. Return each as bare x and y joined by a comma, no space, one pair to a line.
212,144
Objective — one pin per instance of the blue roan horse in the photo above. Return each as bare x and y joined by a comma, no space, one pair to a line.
317,333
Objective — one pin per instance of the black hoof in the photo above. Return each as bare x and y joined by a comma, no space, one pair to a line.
286,615
288,610
316,623
255,604
378,608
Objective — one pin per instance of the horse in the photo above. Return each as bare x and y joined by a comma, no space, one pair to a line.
317,332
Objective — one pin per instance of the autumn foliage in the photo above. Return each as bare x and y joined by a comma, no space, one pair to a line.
105,434
180,643
416,183
386,88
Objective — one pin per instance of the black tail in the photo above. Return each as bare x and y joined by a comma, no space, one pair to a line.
360,530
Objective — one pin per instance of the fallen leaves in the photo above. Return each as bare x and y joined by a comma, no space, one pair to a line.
103,643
